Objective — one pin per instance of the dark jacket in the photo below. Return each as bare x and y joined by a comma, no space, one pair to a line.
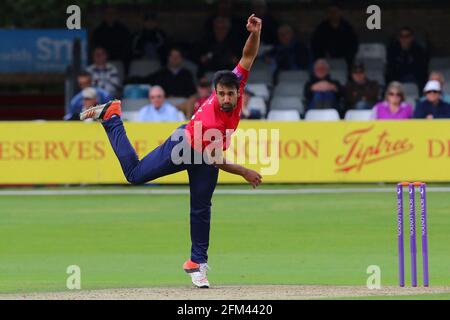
308,93
425,108
354,92
404,64
150,42
296,56
180,84
221,54
116,39
237,28
270,30
341,42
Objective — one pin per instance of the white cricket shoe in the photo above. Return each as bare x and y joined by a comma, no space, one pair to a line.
198,273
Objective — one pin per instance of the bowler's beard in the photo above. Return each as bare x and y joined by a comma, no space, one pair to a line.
227,107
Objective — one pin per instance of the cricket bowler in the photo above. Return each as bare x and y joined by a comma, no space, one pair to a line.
220,114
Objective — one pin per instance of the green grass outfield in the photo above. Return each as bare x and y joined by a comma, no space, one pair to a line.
142,240
438,296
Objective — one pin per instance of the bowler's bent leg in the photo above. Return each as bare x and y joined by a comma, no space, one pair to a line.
202,181
156,164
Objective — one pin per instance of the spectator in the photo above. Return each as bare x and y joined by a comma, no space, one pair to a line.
360,92
433,107
159,110
151,41
224,11
438,76
246,112
407,61
114,36
322,92
104,74
289,53
90,98
84,80
204,90
269,32
194,102
335,37
394,105
176,80
220,52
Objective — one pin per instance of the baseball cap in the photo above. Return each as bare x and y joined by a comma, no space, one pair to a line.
89,93
432,85
358,67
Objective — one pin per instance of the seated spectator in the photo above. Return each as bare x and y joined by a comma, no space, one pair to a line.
204,90
433,107
438,76
113,36
335,37
269,32
394,105
104,74
194,102
224,10
176,80
289,53
246,112
322,92
219,52
90,98
159,110
360,92
84,80
407,61
151,41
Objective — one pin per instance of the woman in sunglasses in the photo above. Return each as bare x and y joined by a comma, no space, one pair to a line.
394,106
433,106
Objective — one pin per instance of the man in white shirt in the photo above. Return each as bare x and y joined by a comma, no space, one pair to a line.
159,110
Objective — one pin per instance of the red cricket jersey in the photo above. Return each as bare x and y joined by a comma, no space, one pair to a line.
199,102
212,117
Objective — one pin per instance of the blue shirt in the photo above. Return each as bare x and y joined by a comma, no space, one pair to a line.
76,104
425,108
166,112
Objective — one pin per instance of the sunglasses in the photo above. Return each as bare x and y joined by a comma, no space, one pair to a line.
433,91
158,96
395,94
